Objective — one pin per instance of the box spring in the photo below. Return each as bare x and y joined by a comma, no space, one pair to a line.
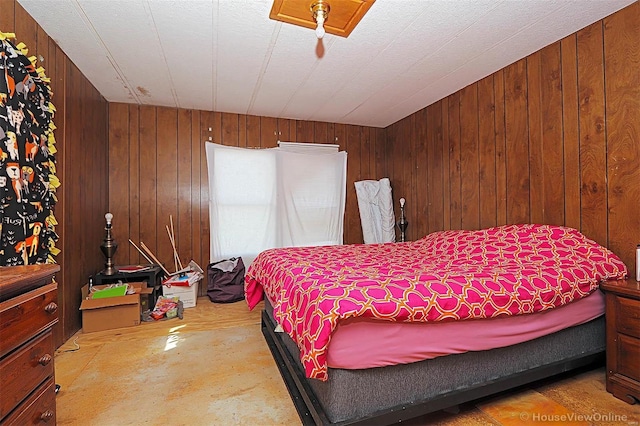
394,393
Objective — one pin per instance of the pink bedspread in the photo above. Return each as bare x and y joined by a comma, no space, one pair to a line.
447,275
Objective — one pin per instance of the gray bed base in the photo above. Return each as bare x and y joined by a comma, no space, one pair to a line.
386,395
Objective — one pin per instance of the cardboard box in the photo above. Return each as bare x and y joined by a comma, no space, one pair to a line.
187,294
112,312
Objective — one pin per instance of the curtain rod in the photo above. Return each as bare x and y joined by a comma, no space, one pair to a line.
328,145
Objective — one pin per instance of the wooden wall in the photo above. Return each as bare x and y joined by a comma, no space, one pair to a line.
158,170
81,136
553,138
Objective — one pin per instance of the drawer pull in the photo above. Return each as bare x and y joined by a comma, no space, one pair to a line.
51,307
44,359
46,416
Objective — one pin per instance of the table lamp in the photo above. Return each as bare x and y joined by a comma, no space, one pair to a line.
402,223
109,247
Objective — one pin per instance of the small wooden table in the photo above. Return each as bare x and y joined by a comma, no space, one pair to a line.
623,338
153,275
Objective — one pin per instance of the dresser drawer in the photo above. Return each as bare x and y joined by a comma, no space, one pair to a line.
629,356
27,315
629,316
24,370
40,408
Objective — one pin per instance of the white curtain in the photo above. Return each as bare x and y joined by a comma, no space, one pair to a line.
265,198
376,211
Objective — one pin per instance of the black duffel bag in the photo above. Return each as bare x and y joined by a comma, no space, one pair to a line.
225,280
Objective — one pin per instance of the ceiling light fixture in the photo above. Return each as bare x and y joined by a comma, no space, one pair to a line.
314,14
320,11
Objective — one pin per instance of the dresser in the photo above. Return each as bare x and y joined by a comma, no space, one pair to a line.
28,311
623,338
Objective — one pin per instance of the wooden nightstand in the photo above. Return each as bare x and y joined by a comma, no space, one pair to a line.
623,338
153,276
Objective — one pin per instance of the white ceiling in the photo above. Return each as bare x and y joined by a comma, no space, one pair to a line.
228,56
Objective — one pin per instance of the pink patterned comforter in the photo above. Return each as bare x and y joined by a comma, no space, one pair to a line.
447,275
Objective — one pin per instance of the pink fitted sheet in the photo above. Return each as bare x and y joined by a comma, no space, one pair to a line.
364,342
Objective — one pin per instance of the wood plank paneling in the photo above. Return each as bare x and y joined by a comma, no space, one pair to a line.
454,161
380,158
545,130
253,131
133,184
269,132
230,129
421,157
7,16
119,162
446,162
622,69
352,221
198,139
469,161
83,162
340,132
148,182
400,157
210,126
242,131
570,131
321,133
517,143
487,152
434,170
183,223
411,209
553,161
26,29
304,131
593,149
501,149
536,156
366,151
564,144
286,132
167,183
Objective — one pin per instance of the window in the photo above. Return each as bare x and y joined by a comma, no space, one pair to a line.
265,198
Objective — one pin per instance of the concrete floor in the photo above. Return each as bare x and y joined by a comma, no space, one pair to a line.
214,368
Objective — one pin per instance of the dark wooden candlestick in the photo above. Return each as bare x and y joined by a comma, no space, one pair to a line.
402,223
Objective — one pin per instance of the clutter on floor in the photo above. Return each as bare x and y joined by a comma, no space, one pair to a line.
183,284
109,306
166,308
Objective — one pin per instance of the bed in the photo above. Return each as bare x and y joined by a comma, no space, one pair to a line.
337,318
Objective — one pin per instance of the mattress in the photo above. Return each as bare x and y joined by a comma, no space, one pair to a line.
364,342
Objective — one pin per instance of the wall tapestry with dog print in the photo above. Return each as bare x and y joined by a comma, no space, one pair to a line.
27,164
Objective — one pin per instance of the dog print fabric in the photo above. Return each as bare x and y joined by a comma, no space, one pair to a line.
27,163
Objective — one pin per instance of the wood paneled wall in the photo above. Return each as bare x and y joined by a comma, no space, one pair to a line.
81,136
158,170
553,138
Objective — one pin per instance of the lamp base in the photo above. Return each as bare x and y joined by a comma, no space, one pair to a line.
109,270
109,248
